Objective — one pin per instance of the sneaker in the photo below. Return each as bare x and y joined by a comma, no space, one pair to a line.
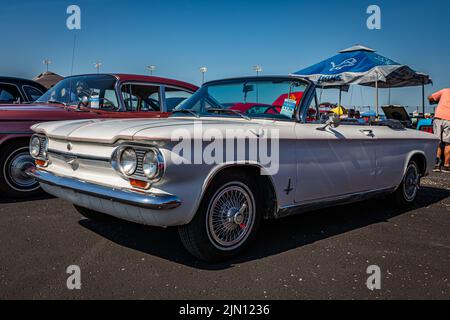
446,169
437,168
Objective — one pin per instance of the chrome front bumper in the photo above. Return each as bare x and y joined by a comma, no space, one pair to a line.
141,200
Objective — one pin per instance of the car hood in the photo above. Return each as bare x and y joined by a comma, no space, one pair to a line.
110,131
35,112
28,107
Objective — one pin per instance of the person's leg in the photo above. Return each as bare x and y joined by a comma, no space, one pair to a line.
447,155
437,129
446,140
438,165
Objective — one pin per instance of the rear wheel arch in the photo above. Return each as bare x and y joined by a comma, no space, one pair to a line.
420,160
406,193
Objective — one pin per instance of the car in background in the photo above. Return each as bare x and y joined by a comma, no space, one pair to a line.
18,91
218,194
425,125
399,113
79,97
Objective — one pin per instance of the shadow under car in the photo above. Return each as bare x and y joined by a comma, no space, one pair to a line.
279,235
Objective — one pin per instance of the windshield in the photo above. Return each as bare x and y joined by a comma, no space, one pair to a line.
273,99
92,91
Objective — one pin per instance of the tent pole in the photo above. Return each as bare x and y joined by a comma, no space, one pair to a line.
340,96
423,98
377,101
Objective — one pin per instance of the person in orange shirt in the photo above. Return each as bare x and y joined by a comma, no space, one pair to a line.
442,127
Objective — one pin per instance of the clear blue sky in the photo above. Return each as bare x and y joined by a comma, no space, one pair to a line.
227,36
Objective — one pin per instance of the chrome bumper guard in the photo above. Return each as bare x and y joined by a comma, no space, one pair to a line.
143,200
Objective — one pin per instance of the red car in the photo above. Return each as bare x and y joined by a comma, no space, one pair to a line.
274,108
79,97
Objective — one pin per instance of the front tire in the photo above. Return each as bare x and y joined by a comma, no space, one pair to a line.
15,159
406,194
227,220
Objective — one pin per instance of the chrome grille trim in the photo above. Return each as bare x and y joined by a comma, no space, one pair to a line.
42,141
62,154
140,151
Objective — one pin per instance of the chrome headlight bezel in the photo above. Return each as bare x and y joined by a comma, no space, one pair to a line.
35,146
128,165
153,164
39,147
139,173
45,148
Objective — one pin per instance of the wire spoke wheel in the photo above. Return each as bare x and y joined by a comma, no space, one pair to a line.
411,182
231,216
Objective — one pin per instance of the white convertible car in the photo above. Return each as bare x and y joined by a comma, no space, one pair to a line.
238,151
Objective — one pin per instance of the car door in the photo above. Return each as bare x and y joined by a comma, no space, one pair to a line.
392,155
334,162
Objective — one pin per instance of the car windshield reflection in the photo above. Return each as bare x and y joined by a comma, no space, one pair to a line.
89,91
248,98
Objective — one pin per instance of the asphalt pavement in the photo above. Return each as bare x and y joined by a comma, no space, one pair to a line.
319,255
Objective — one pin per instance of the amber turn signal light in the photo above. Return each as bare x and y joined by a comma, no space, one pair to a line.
41,163
139,184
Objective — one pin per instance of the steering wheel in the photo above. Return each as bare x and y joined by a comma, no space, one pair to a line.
273,108
107,100
153,103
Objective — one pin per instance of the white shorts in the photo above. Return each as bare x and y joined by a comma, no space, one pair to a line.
442,130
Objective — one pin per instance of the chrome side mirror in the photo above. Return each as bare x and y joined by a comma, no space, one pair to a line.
85,101
333,122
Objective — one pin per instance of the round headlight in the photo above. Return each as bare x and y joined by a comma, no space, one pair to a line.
150,164
128,161
35,146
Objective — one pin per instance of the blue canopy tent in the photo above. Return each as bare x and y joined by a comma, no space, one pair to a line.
361,65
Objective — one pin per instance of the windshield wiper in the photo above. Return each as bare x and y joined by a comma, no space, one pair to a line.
195,114
229,111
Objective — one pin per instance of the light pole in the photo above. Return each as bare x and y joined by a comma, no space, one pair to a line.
47,62
258,69
151,68
98,65
203,70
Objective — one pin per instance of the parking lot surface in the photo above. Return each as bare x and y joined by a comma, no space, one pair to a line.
319,255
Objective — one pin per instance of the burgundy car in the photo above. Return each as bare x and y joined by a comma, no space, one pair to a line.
79,97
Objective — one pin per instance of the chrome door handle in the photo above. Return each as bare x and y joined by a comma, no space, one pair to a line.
367,132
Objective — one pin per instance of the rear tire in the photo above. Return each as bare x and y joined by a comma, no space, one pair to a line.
406,194
15,158
227,220
92,214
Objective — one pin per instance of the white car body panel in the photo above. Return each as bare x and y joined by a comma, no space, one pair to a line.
317,165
